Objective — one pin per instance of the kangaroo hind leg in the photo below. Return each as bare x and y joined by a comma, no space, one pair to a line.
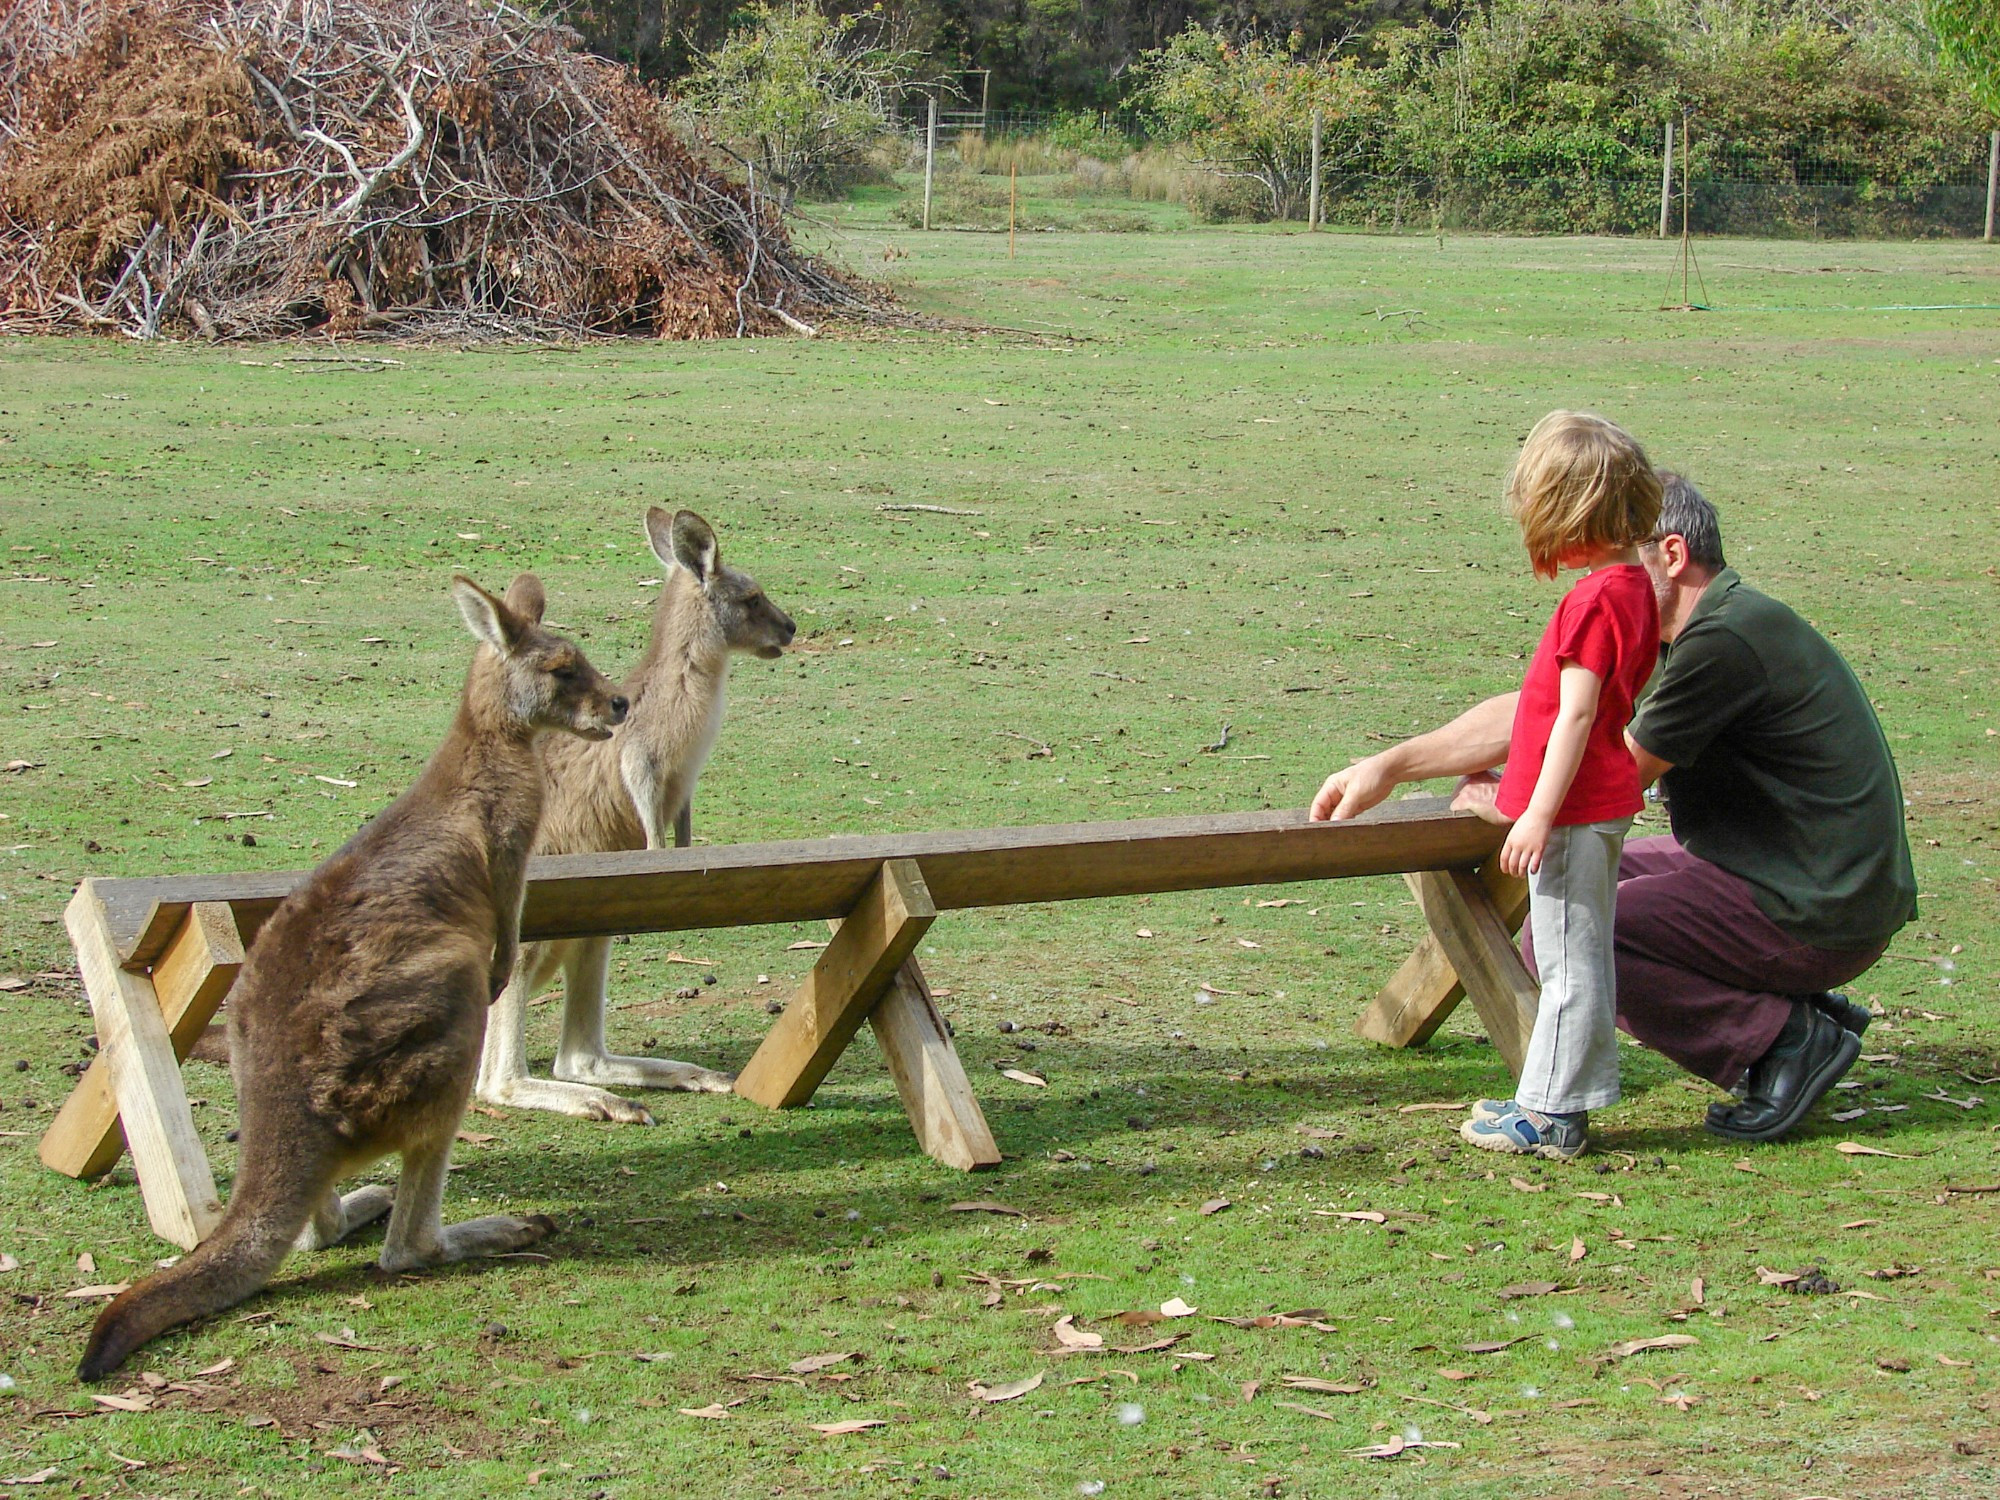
418,1235
582,1058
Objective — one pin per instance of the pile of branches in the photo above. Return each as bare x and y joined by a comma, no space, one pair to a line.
263,168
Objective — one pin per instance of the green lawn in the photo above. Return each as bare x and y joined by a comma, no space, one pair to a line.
1246,478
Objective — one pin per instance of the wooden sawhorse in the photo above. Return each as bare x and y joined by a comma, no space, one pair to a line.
159,954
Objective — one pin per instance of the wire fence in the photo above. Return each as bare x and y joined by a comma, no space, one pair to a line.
1836,186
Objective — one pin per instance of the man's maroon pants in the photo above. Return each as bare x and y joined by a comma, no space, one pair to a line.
1703,975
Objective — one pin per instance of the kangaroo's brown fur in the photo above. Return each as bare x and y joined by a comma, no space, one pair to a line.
633,793
355,1026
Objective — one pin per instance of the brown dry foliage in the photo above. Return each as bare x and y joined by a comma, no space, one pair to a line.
267,167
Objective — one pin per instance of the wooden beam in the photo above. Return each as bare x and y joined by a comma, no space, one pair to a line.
853,972
740,885
174,1177
189,981
1415,1002
937,1095
1480,948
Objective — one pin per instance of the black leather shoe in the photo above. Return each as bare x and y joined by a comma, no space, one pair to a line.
1842,1011
1788,1081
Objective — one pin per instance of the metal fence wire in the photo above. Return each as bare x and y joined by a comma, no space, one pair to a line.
1807,186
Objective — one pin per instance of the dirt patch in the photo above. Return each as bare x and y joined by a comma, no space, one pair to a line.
328,1407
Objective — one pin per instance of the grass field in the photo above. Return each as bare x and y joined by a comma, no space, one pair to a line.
1243,478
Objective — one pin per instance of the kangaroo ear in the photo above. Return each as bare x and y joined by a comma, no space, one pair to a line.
525,598
486,617
693,545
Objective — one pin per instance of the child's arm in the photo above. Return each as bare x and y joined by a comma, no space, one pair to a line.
1575,711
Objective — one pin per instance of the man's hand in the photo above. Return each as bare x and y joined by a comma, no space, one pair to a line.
1478,794
1349,793
1527,842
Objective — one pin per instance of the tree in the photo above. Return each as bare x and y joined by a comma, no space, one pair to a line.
798,95
1245,109
1969,33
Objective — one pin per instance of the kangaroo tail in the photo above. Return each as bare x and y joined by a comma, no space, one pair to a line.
232,1263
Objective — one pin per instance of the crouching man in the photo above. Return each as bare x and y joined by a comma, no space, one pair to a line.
1788,869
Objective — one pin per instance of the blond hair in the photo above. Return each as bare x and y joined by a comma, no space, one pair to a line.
1581,481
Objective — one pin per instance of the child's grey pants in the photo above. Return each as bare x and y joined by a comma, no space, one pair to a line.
1572,1061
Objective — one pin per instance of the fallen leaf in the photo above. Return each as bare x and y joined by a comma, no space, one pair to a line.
345,1340
842,1429
1855,1148
8,1263
1843,1116
1326,1387
1394,1447
1144,932
1529,1187
1191,1354
336,781
1019,1075
1956,1364
87,1263
1631,1347
1012,1390
1577,1250
1357,1215
1861,1223
1448,1106
1214,1206
1493,1346
40,1476
222,755
714,1410
1246,943
1458,1374
1249,1390
1525,1289
1311,1411
812,1364
123,1403
1173,1307
802,944
1697,1291
1682,1400
983,1206
12,984
220,1367
112,1290
1611,1198
477,1137
1072,1337
1767,1277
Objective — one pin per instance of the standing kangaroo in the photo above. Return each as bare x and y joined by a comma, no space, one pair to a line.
355,1026
633,793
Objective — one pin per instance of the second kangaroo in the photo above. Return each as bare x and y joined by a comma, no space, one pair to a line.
633,793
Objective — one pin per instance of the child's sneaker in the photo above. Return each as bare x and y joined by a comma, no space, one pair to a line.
1492,1109
1527,1132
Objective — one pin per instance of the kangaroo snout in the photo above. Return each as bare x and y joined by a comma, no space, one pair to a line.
784,630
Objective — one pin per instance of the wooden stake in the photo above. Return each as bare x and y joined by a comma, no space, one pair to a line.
853,973
1992,180
936,1094
1312,202
1667,183
1476,941
930,159
189,982
174,1177
1426,989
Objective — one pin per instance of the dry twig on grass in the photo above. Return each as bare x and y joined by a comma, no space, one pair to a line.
261,168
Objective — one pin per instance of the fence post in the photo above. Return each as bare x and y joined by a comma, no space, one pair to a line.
1312,204
930,159
1992,181
1667,182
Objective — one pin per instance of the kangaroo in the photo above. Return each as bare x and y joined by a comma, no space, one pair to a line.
633,793
355,1025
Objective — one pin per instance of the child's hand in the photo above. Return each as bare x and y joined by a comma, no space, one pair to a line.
1526,842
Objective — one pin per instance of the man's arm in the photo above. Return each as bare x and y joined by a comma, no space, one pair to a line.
1474,741
1651,767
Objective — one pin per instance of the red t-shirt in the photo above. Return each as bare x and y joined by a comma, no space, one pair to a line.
1608,623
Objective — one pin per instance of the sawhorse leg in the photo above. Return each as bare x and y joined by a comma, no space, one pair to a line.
1468,953
868,972
132,1094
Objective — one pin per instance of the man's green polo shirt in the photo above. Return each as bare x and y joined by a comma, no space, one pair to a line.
1781,774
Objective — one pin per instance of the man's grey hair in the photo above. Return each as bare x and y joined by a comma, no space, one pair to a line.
1686,513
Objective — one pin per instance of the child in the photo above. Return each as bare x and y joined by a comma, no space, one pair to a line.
1585,497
